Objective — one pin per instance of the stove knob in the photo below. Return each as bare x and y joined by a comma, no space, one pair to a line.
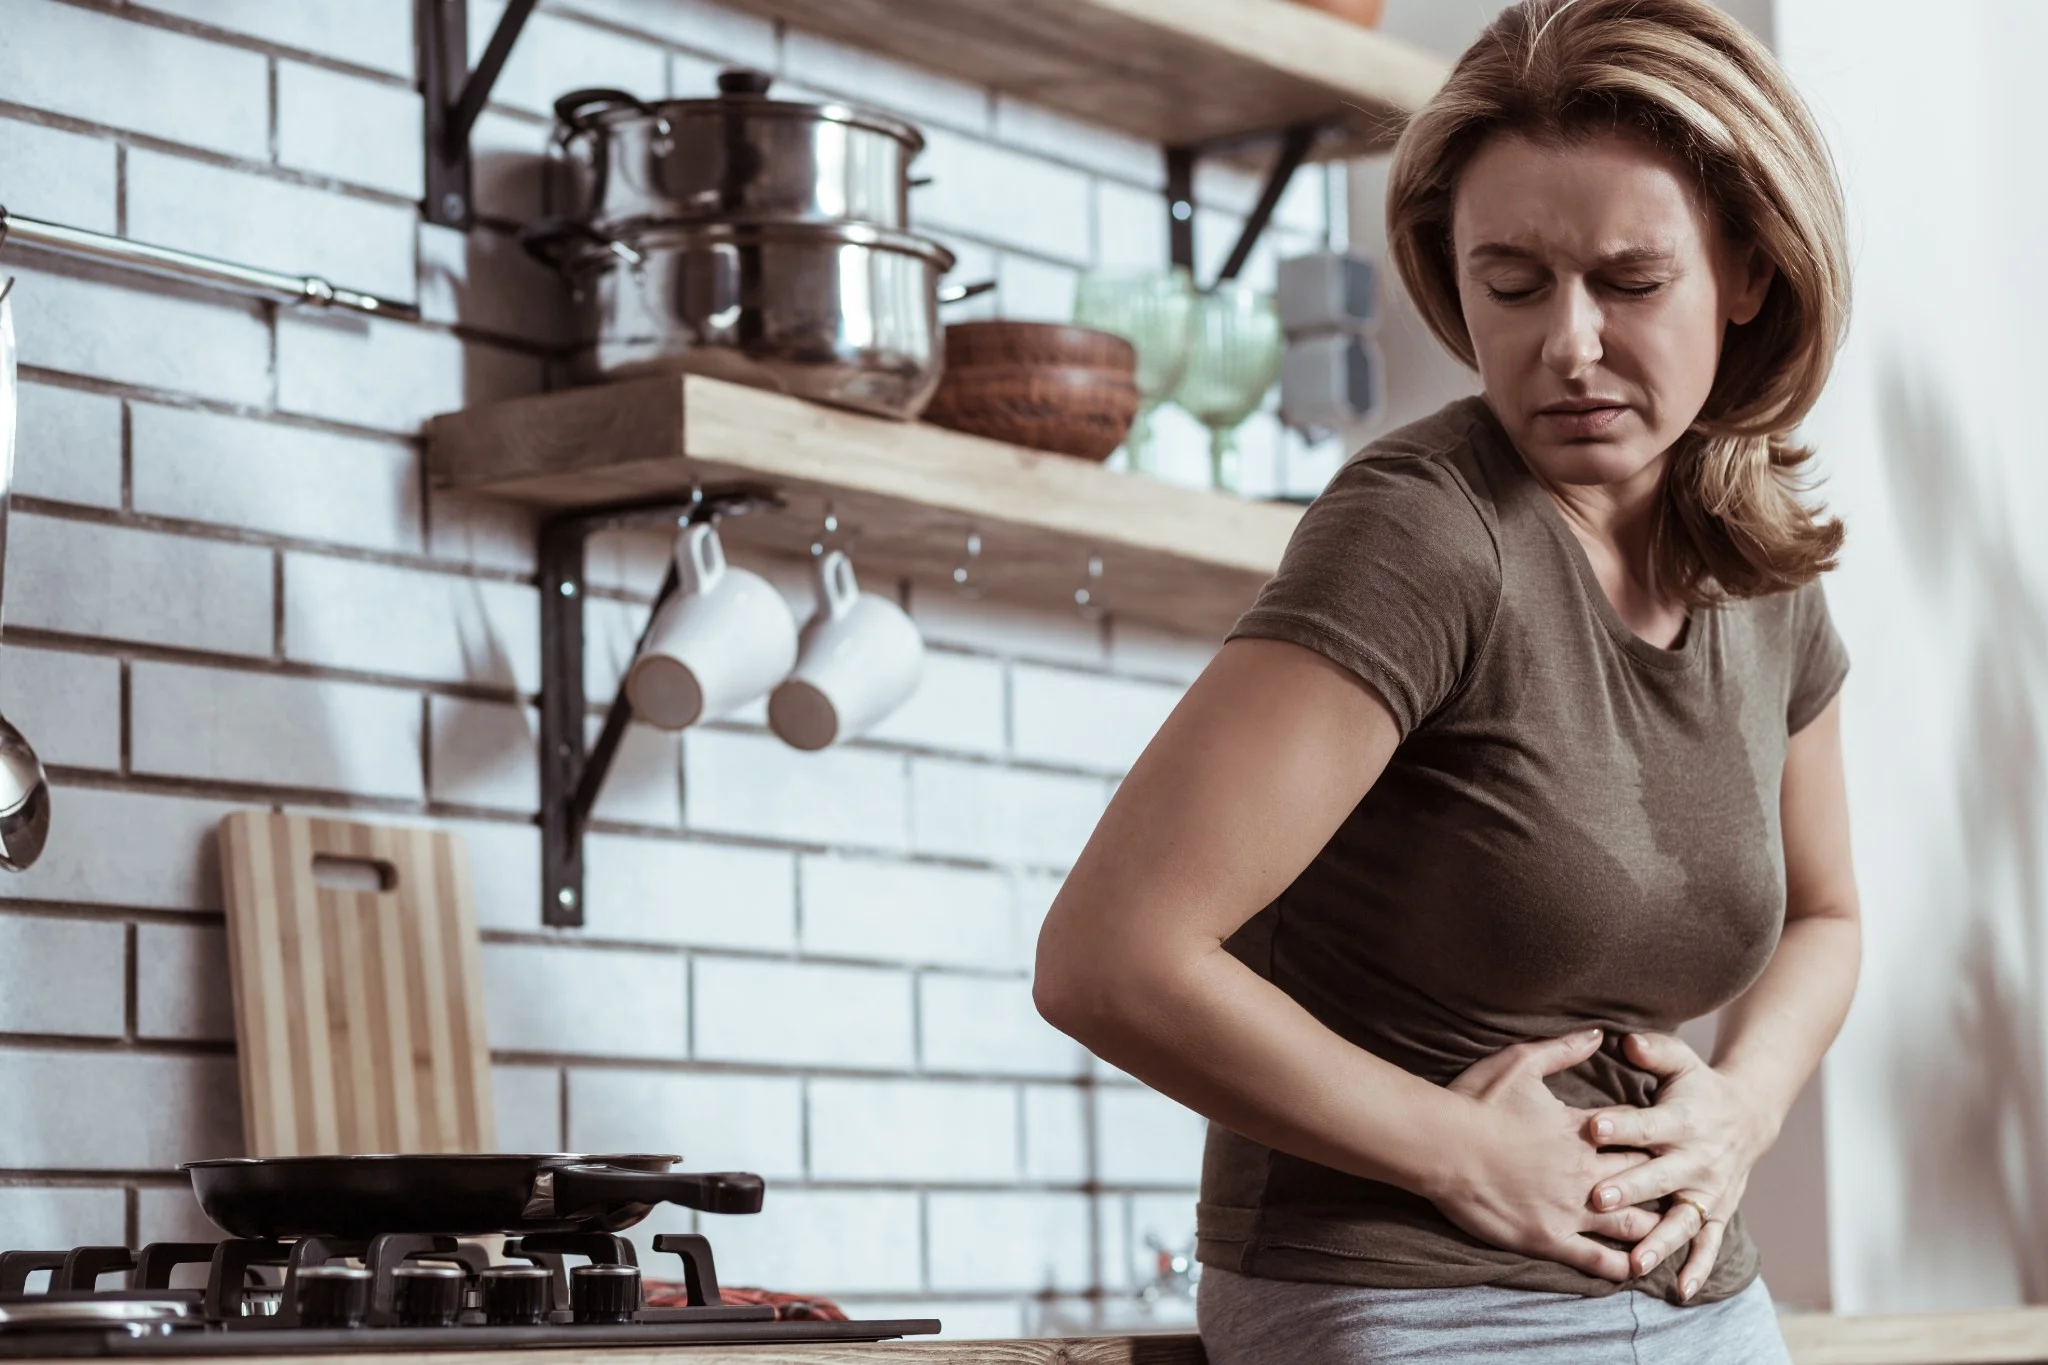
604,1293
516,1295
427,1295
332,1295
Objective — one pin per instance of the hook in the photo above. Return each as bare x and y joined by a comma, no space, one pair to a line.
963,576
695,505
827,528
1088,597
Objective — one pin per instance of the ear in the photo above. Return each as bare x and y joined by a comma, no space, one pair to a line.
1746,281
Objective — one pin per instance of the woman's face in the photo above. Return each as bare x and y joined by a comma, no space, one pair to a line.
1596,288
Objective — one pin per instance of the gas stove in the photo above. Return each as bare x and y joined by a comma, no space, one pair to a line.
397,1292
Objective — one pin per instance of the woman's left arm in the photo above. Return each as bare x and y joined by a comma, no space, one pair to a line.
1711,1123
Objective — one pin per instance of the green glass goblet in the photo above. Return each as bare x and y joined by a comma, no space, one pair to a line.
1152,310
1234,360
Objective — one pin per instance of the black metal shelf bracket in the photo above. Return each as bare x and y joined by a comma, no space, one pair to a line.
1295,143
571,777
454,96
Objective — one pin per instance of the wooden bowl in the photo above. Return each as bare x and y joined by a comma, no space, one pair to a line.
1067,409
972,345
1365,12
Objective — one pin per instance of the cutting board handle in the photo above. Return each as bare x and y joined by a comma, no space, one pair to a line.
345,872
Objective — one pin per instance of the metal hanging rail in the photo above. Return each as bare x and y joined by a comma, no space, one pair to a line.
307,291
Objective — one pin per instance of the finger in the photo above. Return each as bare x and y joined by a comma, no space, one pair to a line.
1607,1165
1588,1256
1543,1056
1653,1179
1627,1126
1552,1055
1623,1225
1662,1054
1678,1226
1706,1250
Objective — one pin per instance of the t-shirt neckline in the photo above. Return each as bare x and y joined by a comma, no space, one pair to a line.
1689,649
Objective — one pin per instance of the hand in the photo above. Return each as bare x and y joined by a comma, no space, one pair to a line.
1704,1134
1522,1185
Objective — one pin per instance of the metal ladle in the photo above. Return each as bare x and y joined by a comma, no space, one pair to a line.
24,790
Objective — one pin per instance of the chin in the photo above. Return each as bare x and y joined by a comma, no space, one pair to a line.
1589,462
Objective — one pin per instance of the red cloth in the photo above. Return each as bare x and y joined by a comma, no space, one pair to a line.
788,1307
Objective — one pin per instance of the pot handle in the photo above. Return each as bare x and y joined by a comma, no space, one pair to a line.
579,1189
549,240
571,108
960,293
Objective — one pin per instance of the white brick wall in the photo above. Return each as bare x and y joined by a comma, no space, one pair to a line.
287,481
68,445
182,986
119,1111
803,1014
63,976
231,587
917,1132
715,1121
71,703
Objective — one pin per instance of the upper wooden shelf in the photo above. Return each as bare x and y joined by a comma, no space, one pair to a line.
907,494
1177,72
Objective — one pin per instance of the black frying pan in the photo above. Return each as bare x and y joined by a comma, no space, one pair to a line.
364,1196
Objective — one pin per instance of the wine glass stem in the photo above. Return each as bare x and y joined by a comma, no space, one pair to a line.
1138,442
1225,468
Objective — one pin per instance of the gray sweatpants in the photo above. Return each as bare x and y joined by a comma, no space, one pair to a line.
1247,1321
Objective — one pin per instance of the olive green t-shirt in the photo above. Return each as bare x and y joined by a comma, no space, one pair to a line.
1577,828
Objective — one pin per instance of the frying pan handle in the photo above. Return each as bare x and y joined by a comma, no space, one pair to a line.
580,1188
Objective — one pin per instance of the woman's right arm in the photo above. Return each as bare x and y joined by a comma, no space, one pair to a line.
1251,775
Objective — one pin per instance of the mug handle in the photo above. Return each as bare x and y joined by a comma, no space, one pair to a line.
700,559
837,588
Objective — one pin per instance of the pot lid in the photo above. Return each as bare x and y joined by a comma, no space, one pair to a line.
738,88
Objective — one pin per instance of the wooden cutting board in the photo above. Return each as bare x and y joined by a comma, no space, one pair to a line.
358,986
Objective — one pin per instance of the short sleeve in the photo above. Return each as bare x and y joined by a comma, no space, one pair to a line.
1392,574
1820,661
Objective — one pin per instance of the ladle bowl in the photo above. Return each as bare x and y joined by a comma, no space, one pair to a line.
24,789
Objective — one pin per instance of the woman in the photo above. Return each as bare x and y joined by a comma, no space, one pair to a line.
1528,754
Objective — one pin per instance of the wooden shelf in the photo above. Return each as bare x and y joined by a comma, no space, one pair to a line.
906,493
1177,72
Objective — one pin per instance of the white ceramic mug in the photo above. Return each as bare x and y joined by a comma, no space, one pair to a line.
860,658
721,641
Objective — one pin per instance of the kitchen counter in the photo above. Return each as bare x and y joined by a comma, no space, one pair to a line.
2011,1336
2007,1336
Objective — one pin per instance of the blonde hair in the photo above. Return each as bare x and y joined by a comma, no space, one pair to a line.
1696,84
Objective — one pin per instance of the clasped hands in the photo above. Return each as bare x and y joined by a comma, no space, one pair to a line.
1538,1176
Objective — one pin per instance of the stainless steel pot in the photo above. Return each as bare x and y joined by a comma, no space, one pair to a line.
840,313
739,155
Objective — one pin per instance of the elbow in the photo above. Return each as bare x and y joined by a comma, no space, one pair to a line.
1067,996
1077,983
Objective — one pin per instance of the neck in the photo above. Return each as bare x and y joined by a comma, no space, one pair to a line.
1615,521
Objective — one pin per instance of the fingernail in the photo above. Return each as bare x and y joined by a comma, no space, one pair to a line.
1648,1263
1609,1197
1589,1035
1603,1128
1686,1290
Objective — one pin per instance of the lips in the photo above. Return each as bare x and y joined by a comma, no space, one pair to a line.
1581,417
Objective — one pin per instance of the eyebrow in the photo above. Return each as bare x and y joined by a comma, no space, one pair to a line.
1634,255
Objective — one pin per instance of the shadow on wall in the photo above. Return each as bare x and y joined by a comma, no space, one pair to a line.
1975,1136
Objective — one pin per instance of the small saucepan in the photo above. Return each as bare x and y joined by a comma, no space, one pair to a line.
461,1195
840,313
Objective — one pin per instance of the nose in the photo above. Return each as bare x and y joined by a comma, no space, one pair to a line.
1571,343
